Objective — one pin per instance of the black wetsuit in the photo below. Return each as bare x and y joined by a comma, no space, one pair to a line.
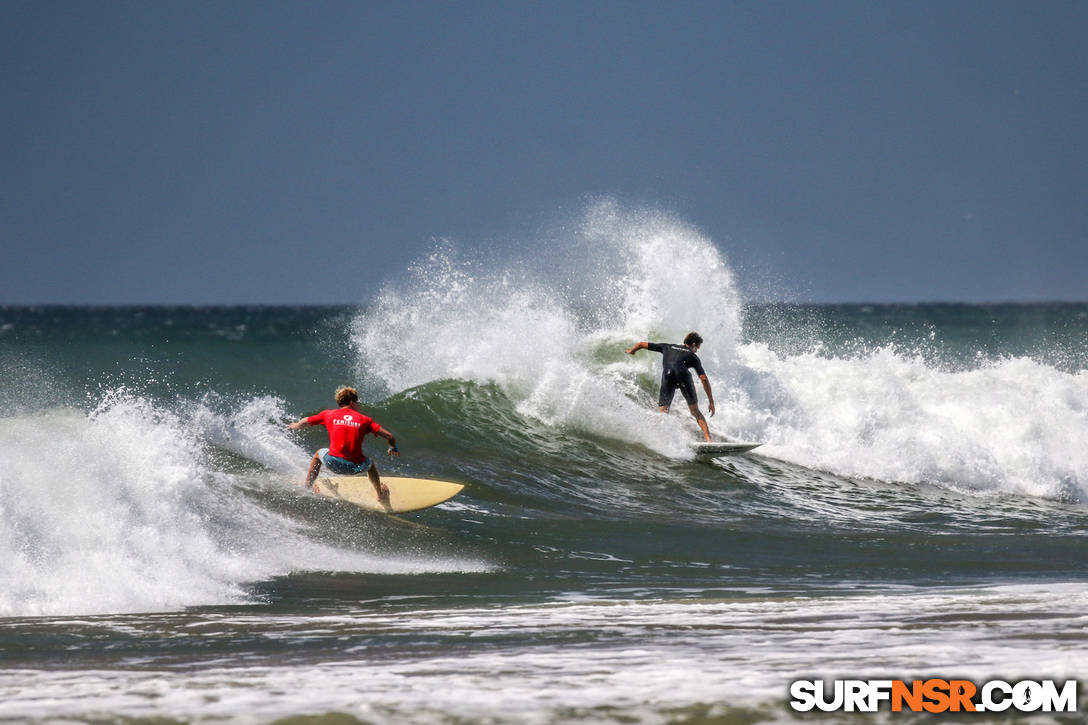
676,361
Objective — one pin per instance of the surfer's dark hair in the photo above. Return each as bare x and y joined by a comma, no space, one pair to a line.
345,395
693,338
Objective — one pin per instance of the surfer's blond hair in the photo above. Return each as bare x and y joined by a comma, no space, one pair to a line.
345,395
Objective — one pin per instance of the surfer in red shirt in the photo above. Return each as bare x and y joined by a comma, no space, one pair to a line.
347,426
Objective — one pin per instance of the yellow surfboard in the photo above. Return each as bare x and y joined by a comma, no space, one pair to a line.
405,494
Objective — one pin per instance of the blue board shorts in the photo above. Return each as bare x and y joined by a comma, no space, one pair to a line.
342,466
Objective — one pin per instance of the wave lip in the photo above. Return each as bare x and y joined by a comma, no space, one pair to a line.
550,329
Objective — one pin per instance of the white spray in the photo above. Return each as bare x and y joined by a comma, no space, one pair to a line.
549,328
125,509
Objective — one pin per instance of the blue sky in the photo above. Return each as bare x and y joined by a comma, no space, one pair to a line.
271,152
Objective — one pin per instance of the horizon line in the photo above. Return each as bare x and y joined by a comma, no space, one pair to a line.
274,305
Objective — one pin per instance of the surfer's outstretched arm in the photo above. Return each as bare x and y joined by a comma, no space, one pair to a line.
709,395
636,347
382,432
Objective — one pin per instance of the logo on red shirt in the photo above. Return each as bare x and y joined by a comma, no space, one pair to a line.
346,428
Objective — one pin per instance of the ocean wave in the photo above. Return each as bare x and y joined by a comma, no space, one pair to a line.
552,343
128,508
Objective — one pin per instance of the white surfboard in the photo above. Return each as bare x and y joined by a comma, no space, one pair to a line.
723,448
405,494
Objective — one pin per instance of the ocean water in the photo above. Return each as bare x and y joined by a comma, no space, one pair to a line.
919,508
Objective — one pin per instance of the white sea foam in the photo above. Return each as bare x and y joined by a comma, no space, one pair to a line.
638,659
1014,425
124,510
252,429
548,329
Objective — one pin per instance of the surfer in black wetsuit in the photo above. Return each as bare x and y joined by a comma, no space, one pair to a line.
677,362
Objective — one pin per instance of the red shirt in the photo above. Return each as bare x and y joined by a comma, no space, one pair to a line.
347,428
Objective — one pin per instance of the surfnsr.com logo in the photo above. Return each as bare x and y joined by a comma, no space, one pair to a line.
934,695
